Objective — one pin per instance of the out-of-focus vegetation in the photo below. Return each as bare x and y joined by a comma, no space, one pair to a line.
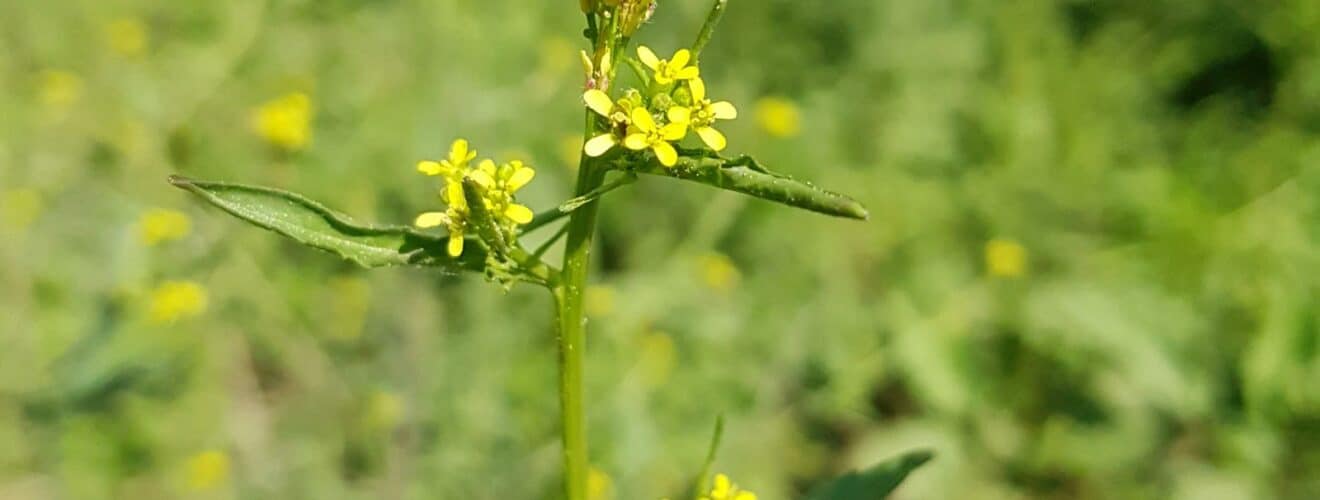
1091,269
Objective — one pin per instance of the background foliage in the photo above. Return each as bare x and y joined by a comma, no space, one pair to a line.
1090,271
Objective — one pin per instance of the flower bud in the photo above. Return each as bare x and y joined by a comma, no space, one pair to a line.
633,13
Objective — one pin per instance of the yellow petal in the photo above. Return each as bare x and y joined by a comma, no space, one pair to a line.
661,79
666,153
458,151
482,178
454,195
722,486
674,131
599,145
606,62
698,89
648,57
688,73
599,102
680,59
745,495
642,119
455,243
713,138
680,114
431,219
636,142
429,167
724,110
521,176
518,213
487,166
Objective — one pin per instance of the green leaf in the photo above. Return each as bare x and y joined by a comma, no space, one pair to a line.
314,225
874,483
746,176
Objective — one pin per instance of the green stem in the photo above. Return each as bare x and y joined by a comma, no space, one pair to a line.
572,326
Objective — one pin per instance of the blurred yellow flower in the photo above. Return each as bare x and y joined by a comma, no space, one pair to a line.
384,410
657,358
778,116
1005,258
570,147
20,207
175,300
598,300
159,225
285,121
127,36
59,88
599,485
208,469
724,489
718,272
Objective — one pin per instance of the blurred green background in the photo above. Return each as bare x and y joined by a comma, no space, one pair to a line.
1091,269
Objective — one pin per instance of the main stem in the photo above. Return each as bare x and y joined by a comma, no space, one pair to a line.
572,328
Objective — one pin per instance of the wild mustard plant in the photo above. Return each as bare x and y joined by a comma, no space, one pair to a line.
633,127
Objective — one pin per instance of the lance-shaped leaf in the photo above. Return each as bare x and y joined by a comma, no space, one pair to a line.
874,483
745,175
314,225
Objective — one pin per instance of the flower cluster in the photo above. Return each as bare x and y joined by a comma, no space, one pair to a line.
724,489
498,186
674,102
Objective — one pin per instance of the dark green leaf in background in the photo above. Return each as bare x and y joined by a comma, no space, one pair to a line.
874,483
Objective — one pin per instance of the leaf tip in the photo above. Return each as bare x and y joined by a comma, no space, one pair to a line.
180,181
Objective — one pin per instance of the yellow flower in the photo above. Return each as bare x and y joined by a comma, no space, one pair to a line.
127,36
726,490
175,300
778,116
702,115
599,300
1005,258
208,469
599,485
454,219
500,184
646,133
159,225
718,272
384,410
460,154
618,113
671,70
285,121
20,207
59,88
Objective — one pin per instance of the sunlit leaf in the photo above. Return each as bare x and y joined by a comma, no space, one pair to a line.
314,225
